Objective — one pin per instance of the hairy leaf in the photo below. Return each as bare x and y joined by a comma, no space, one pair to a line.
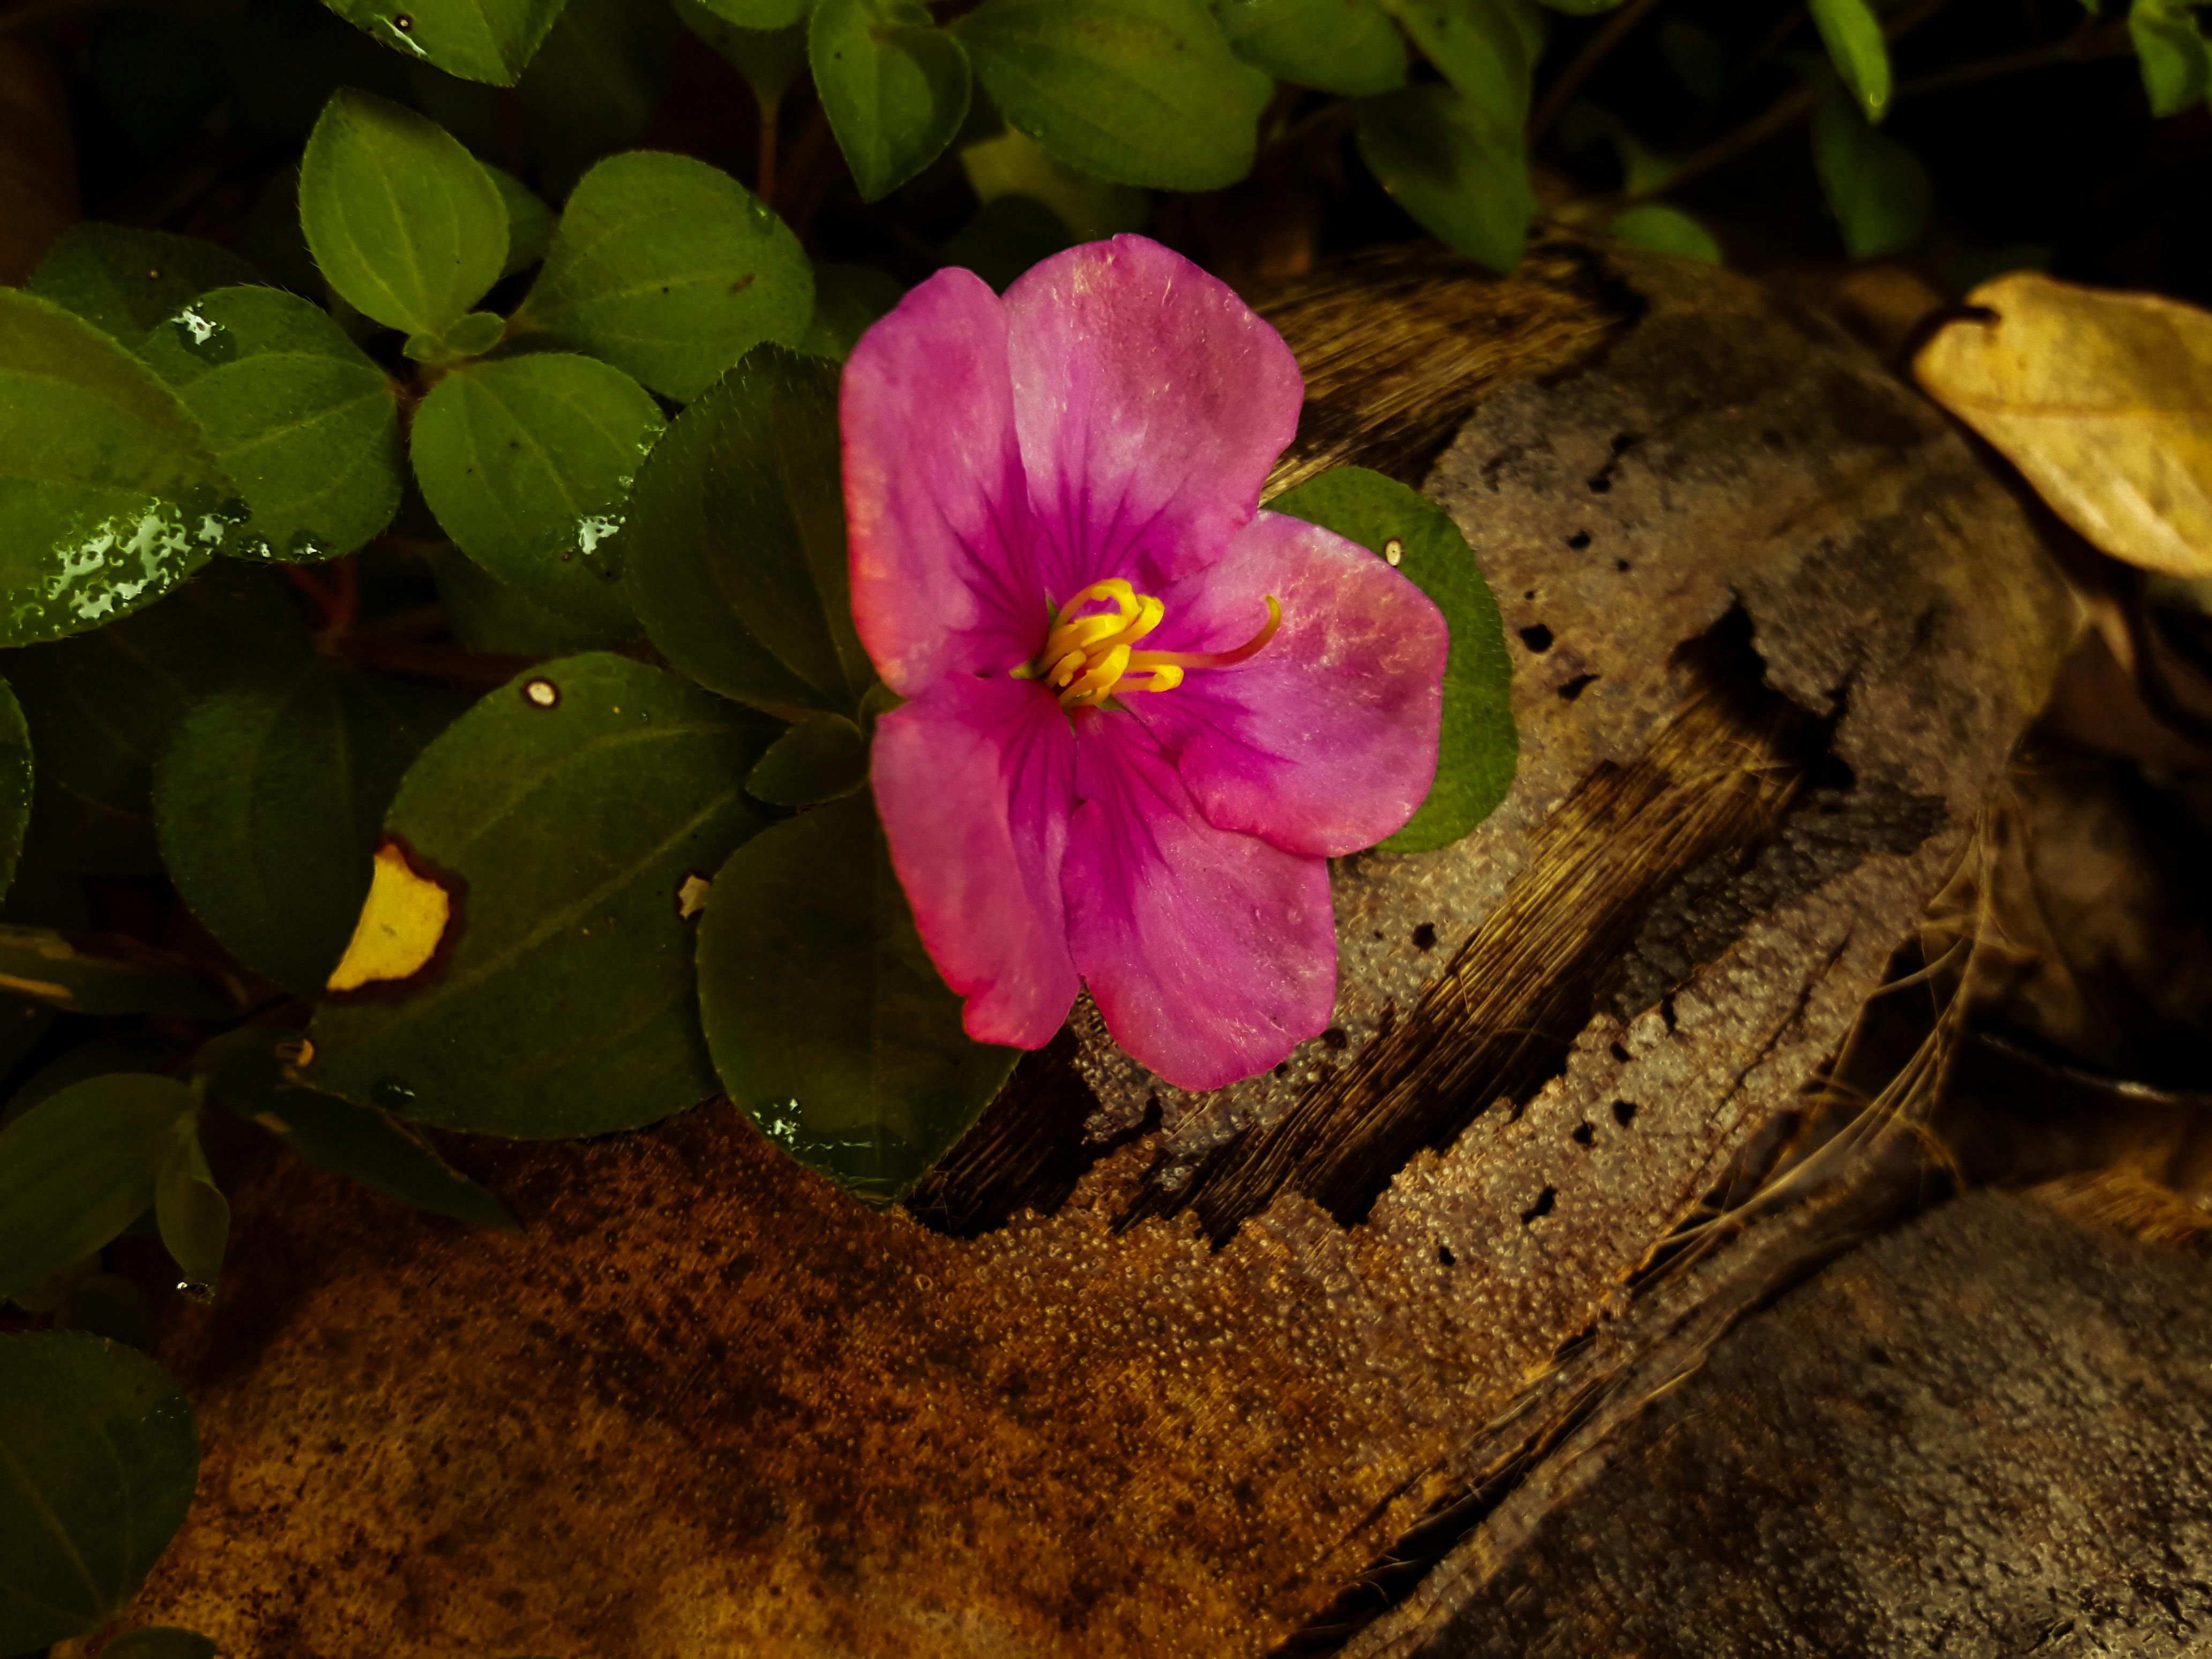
124,280
893,84
477,40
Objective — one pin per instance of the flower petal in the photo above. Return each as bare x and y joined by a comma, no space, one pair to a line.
1325,741
1211,955
1151,403
935,504
974,782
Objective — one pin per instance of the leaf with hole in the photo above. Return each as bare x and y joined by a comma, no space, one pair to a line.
98,1461
1345,46
736,541
528,462
1460,172
267,798
81,1166
671,270
1479,750
407,226
488,40
109,496
559,816
124,280
305,424
893,84
1137,92
828,1024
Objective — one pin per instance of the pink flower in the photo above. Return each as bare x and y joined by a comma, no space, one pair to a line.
1116,768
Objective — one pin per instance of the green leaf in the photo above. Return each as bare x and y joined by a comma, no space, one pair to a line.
406,226
78,1168
1875,186
1460,172
527,462
267,798
477,40
529,222
1012,163
670,269
847,301
818,759
1479,750
486,615
893,84
1670,230
125,1050
564,815
1486,49
108,494
1008,234
828,1022
103,974
1139,92
760,14
191,1213
474,335
770,60
1852,34
2170,50
159,1642
1347,46
246,1070
1643,171
98,1461
101,706
736,541
14,784
305,424
124,280
594,87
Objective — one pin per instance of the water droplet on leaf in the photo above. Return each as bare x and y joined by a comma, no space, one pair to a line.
392,1095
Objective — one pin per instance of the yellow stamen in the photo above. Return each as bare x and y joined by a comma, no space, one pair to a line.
1089,658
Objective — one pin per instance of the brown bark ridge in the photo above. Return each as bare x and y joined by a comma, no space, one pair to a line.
1988,1432
1166,1374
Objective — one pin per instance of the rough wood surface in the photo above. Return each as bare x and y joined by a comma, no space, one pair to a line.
1776,631
1988,1432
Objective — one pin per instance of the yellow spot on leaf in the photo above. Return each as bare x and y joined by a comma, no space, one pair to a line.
2103,401
691,896
401,924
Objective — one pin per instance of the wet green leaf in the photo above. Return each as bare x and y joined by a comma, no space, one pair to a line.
828,1024
562,815
109,496
15,784
102,974
1852,34
529,222
159,1642
847,301
98,1461
1347,46
406,226
1670,230
267,798
78,1168
527,462
893,84
101,707
760,14
190,1212
670,269
1139,92
2172,51
1479,750
594,86
486,615
305,424
1875,186
817,760
358,1142
736,541
1456,168
477,40
124,280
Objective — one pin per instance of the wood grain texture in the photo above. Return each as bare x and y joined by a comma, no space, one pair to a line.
1250,1341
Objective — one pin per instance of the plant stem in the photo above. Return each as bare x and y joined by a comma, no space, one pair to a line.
2084,45
1594,52
764,169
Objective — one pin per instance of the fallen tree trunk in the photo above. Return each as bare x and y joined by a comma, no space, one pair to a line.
1139,1373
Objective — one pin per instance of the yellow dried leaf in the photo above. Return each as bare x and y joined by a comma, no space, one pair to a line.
2103,401
403,922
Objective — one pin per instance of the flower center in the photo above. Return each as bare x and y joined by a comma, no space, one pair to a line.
1090,654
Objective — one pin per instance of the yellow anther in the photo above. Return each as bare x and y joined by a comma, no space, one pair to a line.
1090,658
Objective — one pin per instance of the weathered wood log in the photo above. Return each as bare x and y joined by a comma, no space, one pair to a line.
1171,1374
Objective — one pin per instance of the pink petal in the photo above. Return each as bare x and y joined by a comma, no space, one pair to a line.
1151,403
974,782
935,505
1325,742
1211,955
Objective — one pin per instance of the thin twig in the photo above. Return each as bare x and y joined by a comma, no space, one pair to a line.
1594,52
764,170
2084,45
